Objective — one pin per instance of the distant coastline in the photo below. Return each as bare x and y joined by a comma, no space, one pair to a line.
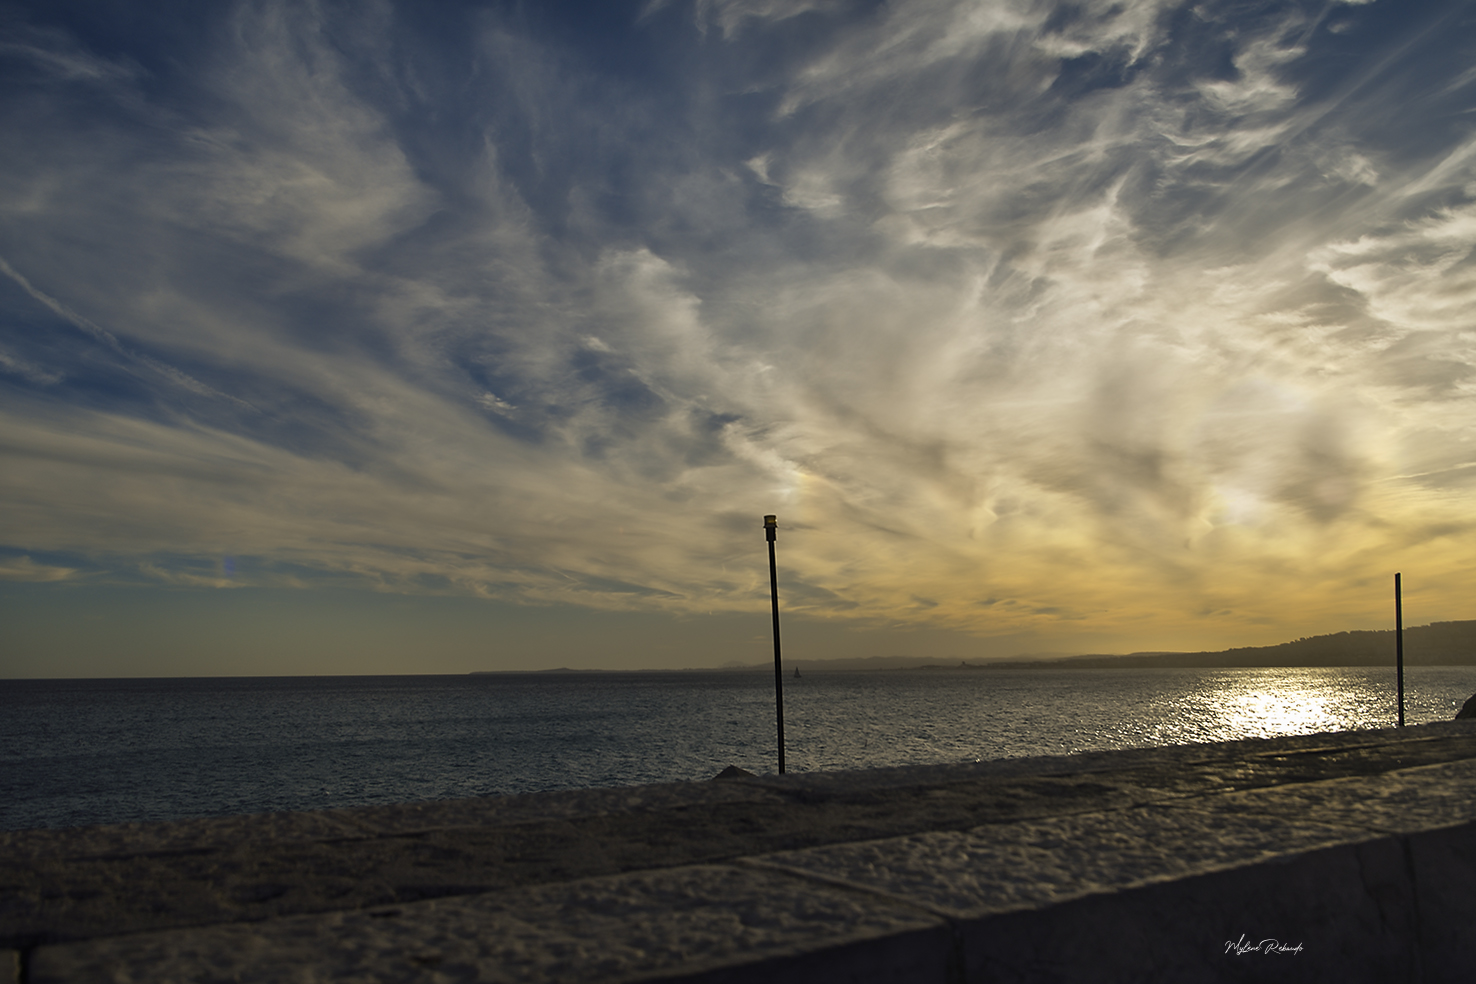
1436,644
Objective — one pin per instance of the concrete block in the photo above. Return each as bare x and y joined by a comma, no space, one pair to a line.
1402,801
1442,865
1038,863
708,922
1339,916
61,889
403,818
129,839
202,833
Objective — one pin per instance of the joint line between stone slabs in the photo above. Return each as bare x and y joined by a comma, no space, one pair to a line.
1406,850
835,882
955,931
1322,749
1357,834
1362,834
366,830
1200,802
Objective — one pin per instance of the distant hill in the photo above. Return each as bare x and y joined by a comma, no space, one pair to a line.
843,664
1436,644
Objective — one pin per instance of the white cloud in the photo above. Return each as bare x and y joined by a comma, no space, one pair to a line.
28,370
1016,307
26,569
302,166
732,15
1257,89
491,401
58,55
1353,168
1416,277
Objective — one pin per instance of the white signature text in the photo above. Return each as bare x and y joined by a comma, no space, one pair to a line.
1243,946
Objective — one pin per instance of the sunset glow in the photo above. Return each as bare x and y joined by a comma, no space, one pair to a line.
1041,327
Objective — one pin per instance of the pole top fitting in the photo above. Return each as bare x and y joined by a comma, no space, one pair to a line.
771,524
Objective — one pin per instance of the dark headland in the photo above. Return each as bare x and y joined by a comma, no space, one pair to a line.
1436,644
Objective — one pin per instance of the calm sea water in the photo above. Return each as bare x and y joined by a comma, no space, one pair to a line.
76,752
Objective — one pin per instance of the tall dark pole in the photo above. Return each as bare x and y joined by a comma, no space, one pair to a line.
771,526
1399,645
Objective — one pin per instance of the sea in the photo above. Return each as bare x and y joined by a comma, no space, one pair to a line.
82,752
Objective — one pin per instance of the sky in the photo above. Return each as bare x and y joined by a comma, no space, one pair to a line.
384,337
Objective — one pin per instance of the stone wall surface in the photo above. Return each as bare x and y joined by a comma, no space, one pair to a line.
1337,857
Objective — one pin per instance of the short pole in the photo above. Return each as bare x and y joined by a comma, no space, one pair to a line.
771,526
1399,646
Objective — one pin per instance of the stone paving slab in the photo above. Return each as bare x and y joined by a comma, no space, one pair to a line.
372,821
1039,863
50,895
686,921
1408,800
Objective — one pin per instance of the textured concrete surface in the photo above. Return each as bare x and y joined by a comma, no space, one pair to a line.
697,918
1341,857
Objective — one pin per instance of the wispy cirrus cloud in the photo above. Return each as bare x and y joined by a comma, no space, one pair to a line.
1050,317
57,54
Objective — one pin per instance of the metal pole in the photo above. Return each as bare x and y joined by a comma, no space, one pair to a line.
771,526
1399,645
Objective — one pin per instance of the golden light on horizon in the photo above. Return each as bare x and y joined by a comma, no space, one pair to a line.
1159,354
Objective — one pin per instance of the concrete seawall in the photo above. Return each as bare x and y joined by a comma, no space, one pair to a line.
1336,857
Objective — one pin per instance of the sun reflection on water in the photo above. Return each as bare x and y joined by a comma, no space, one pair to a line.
1266,703
80,752
1296,711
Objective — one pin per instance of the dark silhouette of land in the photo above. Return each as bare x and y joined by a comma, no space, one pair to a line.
1436,644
